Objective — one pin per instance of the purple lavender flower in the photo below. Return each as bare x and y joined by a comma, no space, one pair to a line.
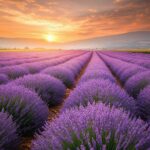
96,69
96,74
131,71
65,75
50,89
34,67
3,78
76,64
99,90
8,135
135,58
14,71
94,127
137,83
143,103
26,108
122,69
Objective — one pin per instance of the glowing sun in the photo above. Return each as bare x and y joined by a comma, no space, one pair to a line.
50,38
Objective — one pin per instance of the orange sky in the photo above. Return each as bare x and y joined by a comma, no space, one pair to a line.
70,20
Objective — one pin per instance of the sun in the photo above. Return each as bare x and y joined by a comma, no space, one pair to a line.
50,38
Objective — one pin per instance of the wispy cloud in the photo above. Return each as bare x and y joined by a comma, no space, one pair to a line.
72,20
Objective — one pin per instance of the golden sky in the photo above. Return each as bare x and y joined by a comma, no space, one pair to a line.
69,20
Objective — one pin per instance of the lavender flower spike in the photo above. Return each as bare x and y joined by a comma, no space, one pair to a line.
8,132
143,104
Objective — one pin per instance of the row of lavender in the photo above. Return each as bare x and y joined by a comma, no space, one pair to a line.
135,58
9,73
98,114
30,57
136,81
24,56
27,57
24,101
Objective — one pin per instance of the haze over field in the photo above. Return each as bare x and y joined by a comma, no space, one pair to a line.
75,24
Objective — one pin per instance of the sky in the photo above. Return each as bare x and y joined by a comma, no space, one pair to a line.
63,21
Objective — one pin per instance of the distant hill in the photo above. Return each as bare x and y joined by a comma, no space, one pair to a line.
139,39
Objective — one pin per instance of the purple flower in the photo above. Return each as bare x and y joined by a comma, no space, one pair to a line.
96,69
143,103
27,109
33,67
131,71
94,127
135,58
8,135
3,78
137,83
65,75
50,89
122,69
14,71
96,74
99,90
76,64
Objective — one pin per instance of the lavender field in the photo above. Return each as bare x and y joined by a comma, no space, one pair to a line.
74,100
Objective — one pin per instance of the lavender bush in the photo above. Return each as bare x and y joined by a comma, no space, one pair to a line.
99,90
14,72
96,74
3,78
143,103
96,69
131,71
8,135
94,127
26,108
50,89
137,83
65,75
76,64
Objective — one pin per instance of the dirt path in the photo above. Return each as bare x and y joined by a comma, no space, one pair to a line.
54,111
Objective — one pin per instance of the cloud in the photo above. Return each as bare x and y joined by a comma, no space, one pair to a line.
72,20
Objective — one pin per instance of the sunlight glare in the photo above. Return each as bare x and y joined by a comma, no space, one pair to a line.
50,38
